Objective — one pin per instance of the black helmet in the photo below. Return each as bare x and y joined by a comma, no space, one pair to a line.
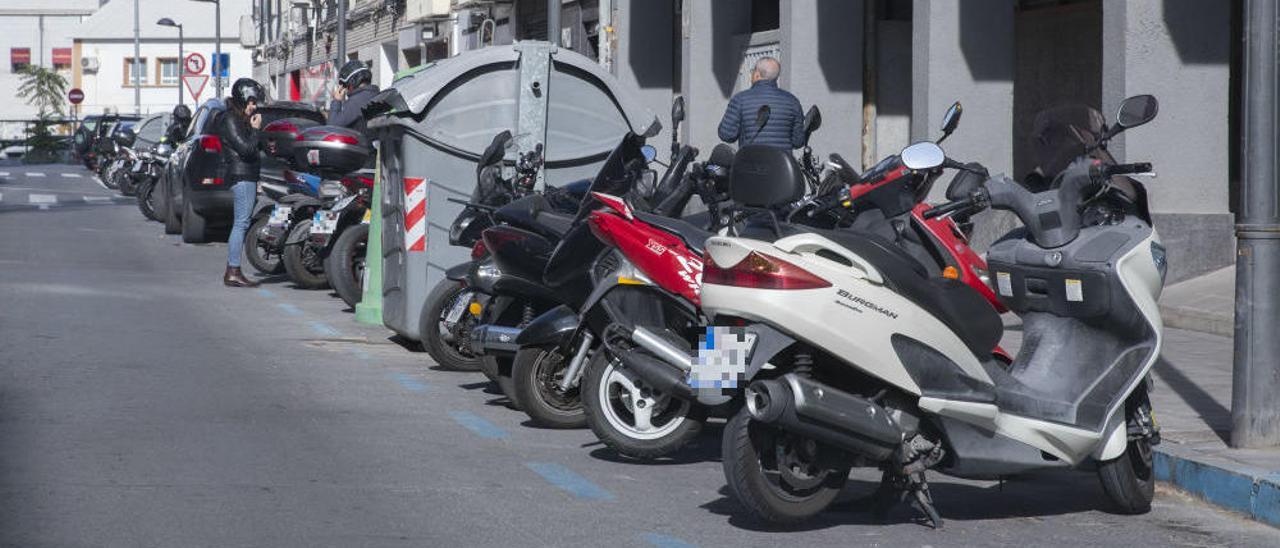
181,112
246,89
354,74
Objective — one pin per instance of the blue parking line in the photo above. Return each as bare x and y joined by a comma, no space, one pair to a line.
290,309
361,354
477,425
266,292
567,480
408,382
664,541
322,328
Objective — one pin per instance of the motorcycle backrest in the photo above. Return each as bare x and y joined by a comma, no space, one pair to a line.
494,153
765,176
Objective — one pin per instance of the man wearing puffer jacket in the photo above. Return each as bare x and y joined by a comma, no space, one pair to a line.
784,127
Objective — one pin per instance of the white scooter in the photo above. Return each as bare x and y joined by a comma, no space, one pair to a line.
881,366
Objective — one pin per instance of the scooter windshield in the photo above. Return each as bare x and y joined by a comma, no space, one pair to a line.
618,173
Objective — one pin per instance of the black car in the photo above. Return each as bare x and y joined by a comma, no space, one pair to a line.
195,199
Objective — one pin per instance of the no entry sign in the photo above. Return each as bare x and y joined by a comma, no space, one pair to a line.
75,96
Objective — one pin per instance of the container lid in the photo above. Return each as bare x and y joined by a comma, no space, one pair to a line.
461,102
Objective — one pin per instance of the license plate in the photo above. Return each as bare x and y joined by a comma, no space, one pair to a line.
722,360
459,307
279,216
324,223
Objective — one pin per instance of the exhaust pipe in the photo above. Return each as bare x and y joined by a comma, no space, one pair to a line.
658,374
488,338
818,411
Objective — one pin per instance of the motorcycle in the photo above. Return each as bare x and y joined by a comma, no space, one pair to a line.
343,259
152,164
855,359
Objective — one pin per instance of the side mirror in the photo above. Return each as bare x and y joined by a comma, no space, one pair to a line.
951,120
922,156
1137,110
812,121
677,111
649,153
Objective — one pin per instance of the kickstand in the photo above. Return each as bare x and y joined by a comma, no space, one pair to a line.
923,500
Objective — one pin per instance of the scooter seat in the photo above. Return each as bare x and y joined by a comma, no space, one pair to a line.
693,236
295,199
957,305
533,212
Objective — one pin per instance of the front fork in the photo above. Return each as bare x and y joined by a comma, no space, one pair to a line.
573,375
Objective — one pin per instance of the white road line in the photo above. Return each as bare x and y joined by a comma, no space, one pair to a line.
1,197
34,174
97,199
71,175
42,198
4,173
99,181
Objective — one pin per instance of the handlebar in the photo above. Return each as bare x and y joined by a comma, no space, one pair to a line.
481,207
1125,169
948,208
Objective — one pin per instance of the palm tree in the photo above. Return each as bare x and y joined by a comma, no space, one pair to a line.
44,89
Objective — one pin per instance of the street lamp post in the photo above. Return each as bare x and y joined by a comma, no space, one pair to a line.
137,80
217,44
167,22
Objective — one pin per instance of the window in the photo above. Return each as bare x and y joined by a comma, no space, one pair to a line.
135,70
167,71
19,59
765,15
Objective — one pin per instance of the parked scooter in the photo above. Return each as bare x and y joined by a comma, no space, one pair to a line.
854,358
340,234
152,164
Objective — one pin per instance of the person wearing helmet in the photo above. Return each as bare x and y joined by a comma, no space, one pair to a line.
239,133
351,94
178,122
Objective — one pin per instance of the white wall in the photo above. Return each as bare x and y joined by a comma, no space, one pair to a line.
106,87
24,32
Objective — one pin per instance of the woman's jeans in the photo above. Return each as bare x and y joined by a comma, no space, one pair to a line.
245,193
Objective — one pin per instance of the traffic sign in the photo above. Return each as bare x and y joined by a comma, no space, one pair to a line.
75,96
194,63
195,84
220,64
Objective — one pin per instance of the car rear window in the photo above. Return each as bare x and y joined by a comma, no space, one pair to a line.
271,114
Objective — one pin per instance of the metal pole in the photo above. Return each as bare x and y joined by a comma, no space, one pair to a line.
182,65
137,56
342,33
870,74
553,22
217,46
1255,409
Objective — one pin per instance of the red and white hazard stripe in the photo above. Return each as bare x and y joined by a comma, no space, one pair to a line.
415,214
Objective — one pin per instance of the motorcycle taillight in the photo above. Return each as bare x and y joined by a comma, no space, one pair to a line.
211,143
478,250
760,271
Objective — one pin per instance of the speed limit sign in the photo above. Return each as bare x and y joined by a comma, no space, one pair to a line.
194,63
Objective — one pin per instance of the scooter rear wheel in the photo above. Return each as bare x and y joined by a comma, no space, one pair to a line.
263,261
630,417
534,376
437,339
779,477
302,260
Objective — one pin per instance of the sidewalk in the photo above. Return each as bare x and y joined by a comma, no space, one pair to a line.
1205,304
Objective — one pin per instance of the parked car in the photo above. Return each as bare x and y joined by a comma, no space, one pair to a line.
195,198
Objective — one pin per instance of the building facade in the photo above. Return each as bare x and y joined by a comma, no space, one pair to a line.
882,72
36,33
103,53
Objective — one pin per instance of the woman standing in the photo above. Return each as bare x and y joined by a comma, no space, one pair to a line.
239,134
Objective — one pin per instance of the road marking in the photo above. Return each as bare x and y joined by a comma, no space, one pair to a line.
323,329
408,382
97,199
71,175
477,425
290,309
265,292
42,199
4,173
361,354
664,541
34,174
567,480
98,180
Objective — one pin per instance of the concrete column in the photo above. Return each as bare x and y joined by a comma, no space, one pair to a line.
714,37
963,51
1179,51
822,65
644,56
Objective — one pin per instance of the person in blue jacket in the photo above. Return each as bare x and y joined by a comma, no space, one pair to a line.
784,127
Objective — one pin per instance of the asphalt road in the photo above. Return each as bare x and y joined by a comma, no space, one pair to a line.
144,404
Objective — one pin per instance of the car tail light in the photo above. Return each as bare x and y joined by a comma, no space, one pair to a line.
281,126
478,250
340,138
211,143
761,271
211,181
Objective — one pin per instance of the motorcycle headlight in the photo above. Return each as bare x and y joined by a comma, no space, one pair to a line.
1160,258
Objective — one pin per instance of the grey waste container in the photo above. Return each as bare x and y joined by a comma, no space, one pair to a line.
434,123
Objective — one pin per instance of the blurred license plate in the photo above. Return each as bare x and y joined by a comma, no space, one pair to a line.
279,216
459,306
324,222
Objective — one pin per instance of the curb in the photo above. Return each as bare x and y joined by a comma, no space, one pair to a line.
1192,319
1236,487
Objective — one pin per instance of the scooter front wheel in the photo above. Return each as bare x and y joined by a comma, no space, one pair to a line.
632,418
1129,480
302,260
535,376
778,476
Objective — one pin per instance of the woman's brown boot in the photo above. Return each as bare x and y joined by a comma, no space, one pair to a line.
235,278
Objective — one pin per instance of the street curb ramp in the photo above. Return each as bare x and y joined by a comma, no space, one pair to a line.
1236,487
